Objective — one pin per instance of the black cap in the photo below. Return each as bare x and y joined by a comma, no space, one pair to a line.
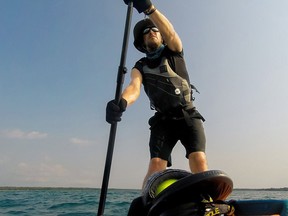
138,33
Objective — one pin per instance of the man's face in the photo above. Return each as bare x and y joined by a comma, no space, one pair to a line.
152,38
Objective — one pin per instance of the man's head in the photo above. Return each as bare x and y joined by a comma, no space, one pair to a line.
147,37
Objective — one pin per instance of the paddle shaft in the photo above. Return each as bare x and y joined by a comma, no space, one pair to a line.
120,79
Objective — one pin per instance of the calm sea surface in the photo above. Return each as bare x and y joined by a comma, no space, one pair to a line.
78,202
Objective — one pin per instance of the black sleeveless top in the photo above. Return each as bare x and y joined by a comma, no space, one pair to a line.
166,82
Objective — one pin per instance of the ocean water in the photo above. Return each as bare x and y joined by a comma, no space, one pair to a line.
80,202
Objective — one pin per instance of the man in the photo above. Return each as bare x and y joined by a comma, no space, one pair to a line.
166,82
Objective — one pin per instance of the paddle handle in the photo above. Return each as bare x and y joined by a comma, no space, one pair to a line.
120,80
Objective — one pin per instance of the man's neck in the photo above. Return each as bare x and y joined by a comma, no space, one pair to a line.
156,53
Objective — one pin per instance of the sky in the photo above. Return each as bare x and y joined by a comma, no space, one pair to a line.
59,61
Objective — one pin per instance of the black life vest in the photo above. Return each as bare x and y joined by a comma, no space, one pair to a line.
168,92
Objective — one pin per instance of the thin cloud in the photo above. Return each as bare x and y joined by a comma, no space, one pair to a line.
41,173
51,174
81,142
19,134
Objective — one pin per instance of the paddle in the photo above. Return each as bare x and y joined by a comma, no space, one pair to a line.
120,79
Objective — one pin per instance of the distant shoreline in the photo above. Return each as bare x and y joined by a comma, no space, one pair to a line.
44,188
263,189
90,188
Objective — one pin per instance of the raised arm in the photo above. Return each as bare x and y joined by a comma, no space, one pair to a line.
166,29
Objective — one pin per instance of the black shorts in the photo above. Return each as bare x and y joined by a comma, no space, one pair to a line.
166,132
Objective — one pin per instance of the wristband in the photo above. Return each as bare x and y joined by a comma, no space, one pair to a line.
150,11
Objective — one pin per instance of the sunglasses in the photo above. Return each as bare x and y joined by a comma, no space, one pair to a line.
147,30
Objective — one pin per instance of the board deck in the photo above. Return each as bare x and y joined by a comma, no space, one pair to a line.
215,183
182,197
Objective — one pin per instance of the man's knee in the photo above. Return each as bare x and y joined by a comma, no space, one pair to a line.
198,162
197,156
157,164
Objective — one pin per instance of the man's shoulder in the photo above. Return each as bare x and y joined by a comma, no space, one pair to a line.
141,61
169,52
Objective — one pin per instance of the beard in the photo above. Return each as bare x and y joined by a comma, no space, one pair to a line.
152,46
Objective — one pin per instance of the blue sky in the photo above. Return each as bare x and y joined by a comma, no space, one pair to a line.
58,66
